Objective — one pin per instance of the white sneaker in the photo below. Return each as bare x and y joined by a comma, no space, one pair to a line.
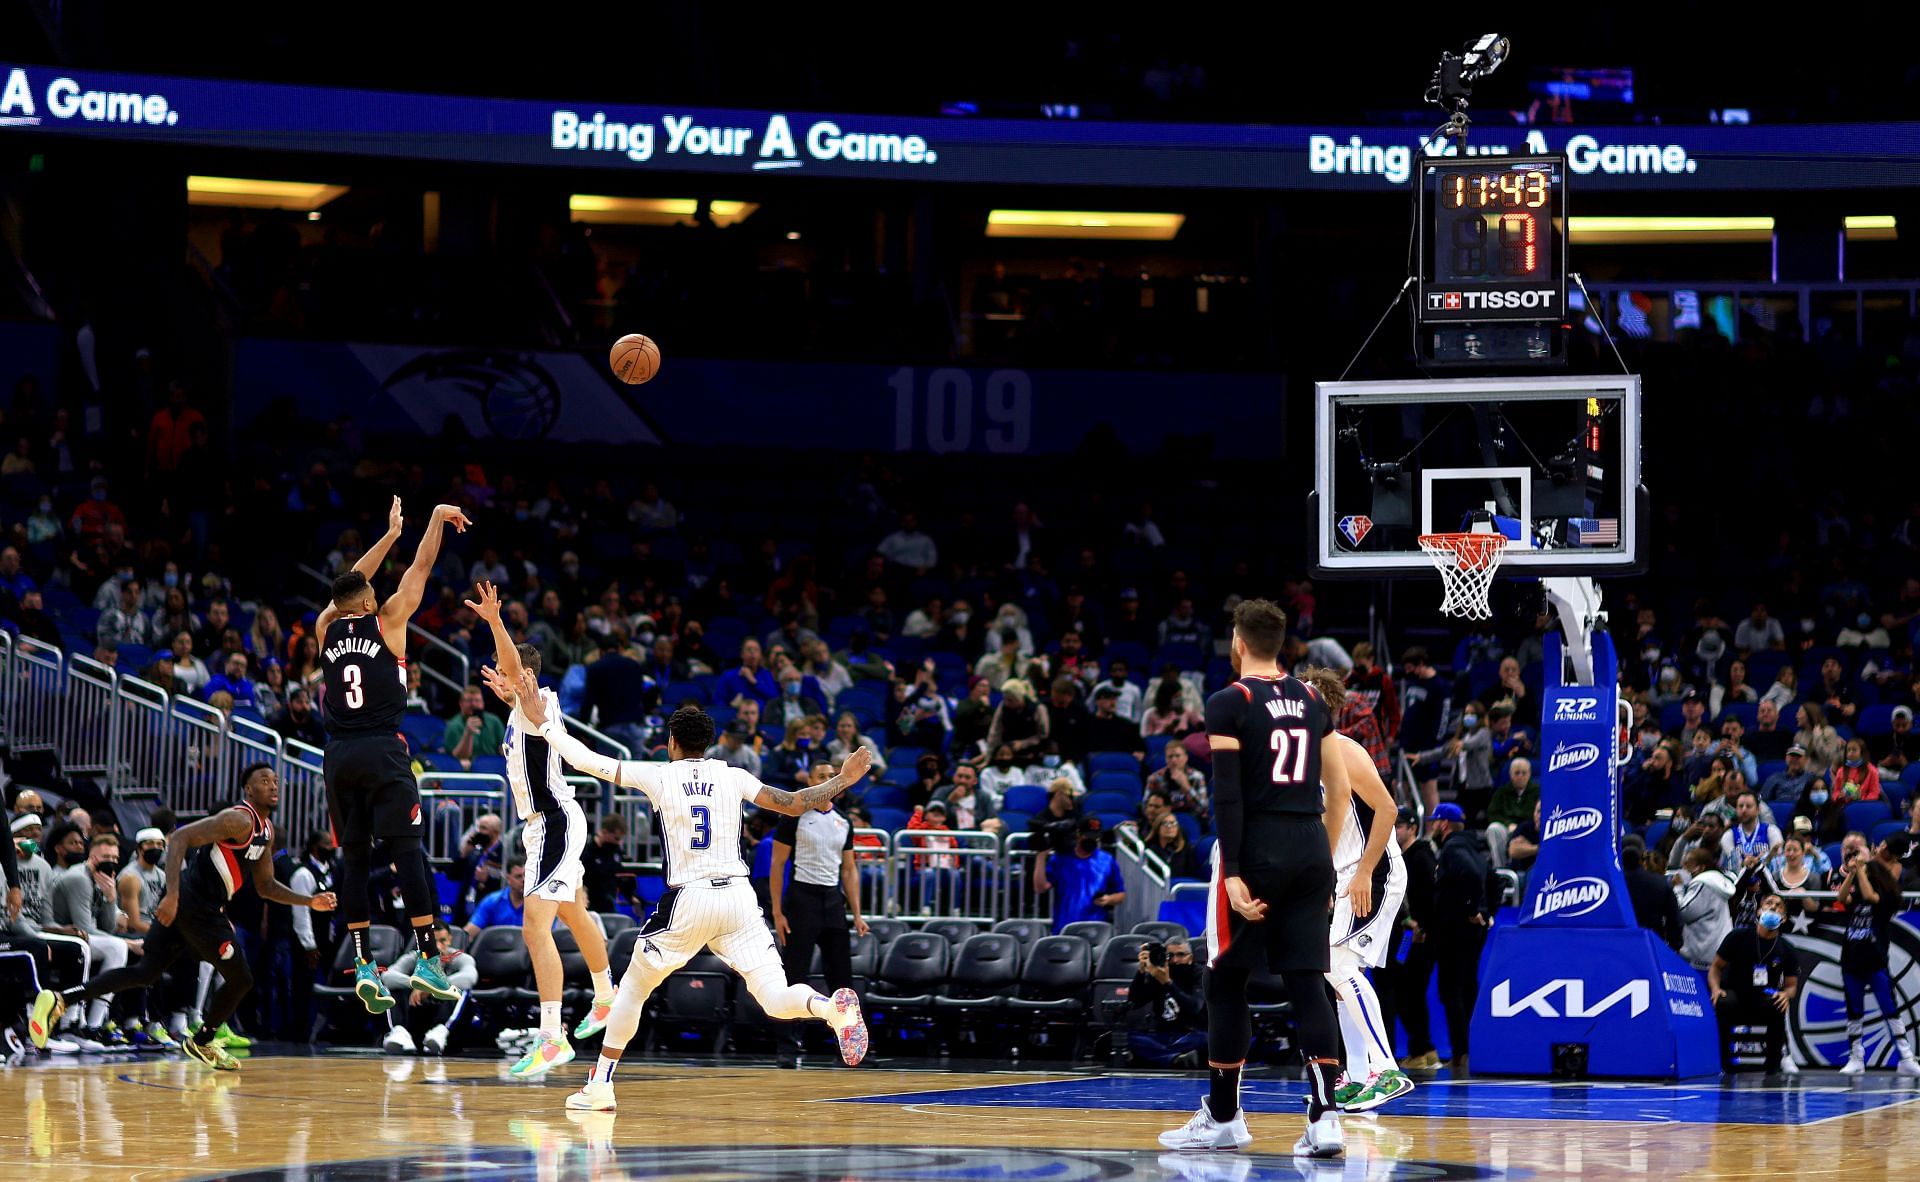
1908,1065
435,1041
1203,1132
62,1046
1323,1138
1788,1066
1207,1167
85,1042
592,1097
399,1041
1856,1064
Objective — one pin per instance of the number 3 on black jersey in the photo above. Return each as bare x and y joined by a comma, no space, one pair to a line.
356,696
1290,747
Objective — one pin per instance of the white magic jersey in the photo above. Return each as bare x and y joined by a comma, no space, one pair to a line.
698,804
1353,841
533,766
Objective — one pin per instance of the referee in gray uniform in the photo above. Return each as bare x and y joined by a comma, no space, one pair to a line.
811,911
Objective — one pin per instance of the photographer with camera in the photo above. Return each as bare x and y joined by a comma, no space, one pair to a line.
1166,1010
1752,981
1087,878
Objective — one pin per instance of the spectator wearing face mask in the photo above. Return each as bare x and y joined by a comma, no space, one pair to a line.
1166,1014
1752,981
1469,752
1085,878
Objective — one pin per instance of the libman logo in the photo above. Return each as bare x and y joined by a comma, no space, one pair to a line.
1570,897
1572,757
1571,824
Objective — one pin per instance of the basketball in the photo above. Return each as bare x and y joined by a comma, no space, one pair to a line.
635,359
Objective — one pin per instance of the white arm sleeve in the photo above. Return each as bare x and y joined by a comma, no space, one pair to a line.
745,783
303,883
644,776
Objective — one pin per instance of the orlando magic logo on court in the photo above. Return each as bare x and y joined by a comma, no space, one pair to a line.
1570,897
1569,824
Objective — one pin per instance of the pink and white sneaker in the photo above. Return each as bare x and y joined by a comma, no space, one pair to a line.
850,1027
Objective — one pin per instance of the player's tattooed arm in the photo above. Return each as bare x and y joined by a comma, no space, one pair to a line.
274,891
226,825
793,804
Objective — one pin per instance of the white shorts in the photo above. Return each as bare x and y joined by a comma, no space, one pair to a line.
1371,938
722,914
553,843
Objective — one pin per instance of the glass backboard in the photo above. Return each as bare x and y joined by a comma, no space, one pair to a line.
1554,462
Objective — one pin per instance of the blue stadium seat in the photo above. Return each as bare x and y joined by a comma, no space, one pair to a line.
1190,913
1747,712
1657,832
1873,720
900,775
1112,802
1884,830
1671,717
135,657
1765,770
1119,783
892,820
1111,820
1896,793
436,762
1135,655
1219,673
1031,798
422,732
1189,825
1833,853
1113,761
1762,666
1185,657
1157,751
885,795
490,765
675,692
1865,814
1205,850
897,756
1015,822
1910,779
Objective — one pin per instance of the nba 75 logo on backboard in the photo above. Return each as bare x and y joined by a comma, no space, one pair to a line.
1355,528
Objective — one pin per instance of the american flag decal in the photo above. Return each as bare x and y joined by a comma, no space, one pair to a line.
1596,531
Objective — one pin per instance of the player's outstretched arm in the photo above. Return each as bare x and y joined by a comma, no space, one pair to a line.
505,656
578,755
376,555
274,891
793,804
399,607
226,825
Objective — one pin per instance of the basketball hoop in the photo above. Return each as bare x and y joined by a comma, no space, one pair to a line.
1467,563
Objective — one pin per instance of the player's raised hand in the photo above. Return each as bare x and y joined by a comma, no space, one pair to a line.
167,908
453,515
1360,895
394,519
855,768
1243,901
488,608
498,683
530,703
324,901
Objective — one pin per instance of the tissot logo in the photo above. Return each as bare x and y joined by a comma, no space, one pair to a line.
1637,994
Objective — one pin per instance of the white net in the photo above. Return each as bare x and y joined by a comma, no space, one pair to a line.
1466,563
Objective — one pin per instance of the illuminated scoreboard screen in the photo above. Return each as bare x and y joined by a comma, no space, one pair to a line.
1493,244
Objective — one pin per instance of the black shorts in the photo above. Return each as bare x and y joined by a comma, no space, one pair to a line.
1296,886
371,792
197,932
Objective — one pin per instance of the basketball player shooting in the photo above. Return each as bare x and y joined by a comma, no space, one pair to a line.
191,920
554,839
1274,748
709,901
371,793
1367,895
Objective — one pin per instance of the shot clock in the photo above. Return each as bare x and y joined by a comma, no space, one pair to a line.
1492,239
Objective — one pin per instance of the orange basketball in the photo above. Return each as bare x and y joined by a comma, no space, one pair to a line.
635,359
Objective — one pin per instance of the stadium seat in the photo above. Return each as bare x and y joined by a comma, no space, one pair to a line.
1189,911
891,820
613,923
1190,826
1114,818
1157,752
1764,771
422,732
489,765
1875,720
900,775
1910,779
675,692
1833,854
1672,718
697,998
886,930
133,657
984,969
500,958
1113,761
1106,800
1015,822
1185,657
1747,712
436,762
1884,830
1865,814
1094,931
1137,657
885,795
1053,985
911,973
1031,798
576,980
1119,958
1161,930
1656,833
384,943
1024,930
1896,793
954,931
904,757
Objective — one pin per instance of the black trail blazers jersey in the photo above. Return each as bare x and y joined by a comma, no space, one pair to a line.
215,872
365,690
1280,722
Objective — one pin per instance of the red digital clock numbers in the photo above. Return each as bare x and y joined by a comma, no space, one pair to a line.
1495,190
1512,240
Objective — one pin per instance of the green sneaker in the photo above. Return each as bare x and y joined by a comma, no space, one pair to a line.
228,1039
541,1058
1388,1085
371,990
157,1031
212,1054
428,975
1347,1093
595,1019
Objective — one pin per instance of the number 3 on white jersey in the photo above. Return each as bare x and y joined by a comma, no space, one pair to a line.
1290,743
356,696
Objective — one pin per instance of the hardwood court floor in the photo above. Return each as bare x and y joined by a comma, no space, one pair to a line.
361,1116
